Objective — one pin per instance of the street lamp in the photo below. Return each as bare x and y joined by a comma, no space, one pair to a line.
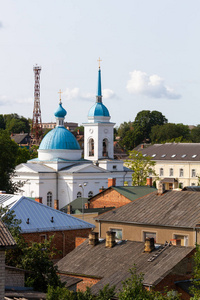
82,186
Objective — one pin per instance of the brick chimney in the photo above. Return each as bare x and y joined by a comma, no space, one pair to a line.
110,239
142,146
38,199
161,188
69,209
149,181
111,182
149,245
93,238
56,204
101,189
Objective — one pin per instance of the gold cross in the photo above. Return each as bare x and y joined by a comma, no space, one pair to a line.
99,60
60,94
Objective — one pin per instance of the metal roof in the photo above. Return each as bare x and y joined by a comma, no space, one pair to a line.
40,216
173,151
37,167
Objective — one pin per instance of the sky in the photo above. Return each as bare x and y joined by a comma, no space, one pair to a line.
150,52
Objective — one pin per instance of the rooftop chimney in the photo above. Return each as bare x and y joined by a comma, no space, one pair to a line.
149,181
111,182
101,189
69,209
38,199
93,238
142,146
149,245
56,204
161,188
110,239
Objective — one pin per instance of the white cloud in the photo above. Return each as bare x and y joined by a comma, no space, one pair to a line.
75,93
4,100
28,100
151,86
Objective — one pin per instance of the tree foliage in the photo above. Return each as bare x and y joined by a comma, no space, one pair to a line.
15,123
196,275
170,133
9,150
142,167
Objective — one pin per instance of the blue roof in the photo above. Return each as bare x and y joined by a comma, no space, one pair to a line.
60,112
98,109
40,215
59,138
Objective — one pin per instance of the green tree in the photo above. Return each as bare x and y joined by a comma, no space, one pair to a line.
144,121
126,134
142,167
23,155
195,134
196,275
170,133
2,122
9,150
16,124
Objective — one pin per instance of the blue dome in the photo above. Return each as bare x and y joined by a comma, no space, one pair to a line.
98,109
59,138
60,112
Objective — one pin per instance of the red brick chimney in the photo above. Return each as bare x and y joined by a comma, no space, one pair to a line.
142,146
110,239
111,182
93,238
149,245
56,204
38,199
149,181
101,189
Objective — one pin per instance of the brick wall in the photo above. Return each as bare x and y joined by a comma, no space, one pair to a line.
108,198
79,241
64,241
2,274
86,282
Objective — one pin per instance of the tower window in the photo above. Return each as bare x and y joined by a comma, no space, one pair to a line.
91,147
49,199
105,148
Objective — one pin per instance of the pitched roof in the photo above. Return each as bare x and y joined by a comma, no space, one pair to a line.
173,208
19,137
6,239
134,192
173,151
40,216
112,265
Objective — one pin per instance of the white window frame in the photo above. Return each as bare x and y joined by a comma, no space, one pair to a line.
161,172
181,172
193,173
171,172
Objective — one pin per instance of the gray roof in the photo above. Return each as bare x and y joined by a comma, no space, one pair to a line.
173,151
112,265
40,215
6,239
19,137
76,168
173,208
38,168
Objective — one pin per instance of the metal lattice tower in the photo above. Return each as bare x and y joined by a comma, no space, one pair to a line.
37,120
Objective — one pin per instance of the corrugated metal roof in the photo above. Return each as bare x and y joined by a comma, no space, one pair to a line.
173,151
40,216
173,208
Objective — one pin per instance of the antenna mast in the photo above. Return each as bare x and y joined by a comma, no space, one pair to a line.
37,120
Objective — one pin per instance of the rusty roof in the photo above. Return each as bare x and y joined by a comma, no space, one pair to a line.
111,265
173,208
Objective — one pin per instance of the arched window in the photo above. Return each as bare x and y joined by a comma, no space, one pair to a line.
79,195
90,194
161,172
91,147
49,199
181,173
105,147
171,172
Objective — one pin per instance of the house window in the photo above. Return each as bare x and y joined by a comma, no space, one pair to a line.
149,235
183,239
90,194
79,195
193,173
171,172
49,199
118,233
161,172
91,147
181,173
43,238
115,167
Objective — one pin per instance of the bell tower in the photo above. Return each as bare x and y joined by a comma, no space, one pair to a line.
98,132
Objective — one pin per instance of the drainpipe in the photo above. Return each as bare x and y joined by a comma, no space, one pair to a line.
99,229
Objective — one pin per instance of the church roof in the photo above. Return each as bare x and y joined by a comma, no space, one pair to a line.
40,216
60,112
59,138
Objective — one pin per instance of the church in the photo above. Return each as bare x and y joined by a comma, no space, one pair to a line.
60,173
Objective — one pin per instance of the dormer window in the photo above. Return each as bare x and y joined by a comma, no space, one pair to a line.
163,155
195,155
173,155
184,155
154,155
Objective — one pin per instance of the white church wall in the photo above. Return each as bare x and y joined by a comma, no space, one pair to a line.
64,154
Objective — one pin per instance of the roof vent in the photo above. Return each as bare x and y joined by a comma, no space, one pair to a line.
27,221
52,220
